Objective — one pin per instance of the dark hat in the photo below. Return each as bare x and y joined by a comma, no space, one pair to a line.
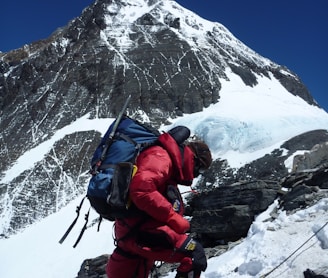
202,153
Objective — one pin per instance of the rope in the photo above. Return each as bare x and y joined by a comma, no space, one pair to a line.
268,273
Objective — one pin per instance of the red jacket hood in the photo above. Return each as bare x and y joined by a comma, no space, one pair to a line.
182,158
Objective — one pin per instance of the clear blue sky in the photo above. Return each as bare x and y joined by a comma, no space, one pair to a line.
293,33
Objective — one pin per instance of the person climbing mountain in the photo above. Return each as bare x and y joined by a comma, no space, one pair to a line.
159,231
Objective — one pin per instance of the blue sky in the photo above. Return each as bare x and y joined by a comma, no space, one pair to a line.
293,33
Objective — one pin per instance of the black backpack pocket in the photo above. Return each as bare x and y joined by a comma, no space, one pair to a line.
119,194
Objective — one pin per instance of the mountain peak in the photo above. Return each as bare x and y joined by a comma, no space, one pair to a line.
120,18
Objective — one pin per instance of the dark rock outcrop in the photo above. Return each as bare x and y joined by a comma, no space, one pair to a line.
305,188
312,159
226,213
94,268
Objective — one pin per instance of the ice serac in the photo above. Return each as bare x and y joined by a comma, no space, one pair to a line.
169,59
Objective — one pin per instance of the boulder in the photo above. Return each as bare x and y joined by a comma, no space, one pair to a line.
317,156
94,268
304,188
226,213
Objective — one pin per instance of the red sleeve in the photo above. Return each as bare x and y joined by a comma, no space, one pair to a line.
149,183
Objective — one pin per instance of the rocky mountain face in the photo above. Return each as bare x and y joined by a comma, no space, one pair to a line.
166,57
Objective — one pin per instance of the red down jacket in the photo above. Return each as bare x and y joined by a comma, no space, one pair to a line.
160,170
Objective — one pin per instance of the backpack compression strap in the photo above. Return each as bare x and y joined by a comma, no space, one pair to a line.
78,208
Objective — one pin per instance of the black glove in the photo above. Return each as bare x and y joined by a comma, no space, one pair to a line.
199,260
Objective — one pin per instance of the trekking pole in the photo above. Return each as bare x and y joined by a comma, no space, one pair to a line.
119,117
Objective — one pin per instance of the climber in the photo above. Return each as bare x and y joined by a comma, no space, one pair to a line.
159,232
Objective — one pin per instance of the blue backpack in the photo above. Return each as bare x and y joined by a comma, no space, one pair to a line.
113,166
112,173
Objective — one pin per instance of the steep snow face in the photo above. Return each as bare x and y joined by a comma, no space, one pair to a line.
199,31
120,16
126,12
